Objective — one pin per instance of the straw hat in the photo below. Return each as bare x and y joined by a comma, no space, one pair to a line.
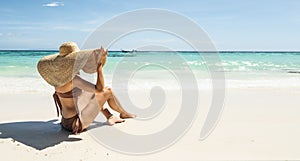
59,69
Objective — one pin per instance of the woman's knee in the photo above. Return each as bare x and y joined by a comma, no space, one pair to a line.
108,92
105,94
107,88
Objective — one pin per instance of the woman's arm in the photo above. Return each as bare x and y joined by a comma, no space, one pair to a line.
87,86
101,61
100,79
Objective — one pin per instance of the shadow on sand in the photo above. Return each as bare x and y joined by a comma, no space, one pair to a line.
37,134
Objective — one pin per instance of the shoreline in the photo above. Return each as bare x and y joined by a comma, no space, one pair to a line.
35,85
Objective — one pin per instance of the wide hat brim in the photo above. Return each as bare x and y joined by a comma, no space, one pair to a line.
58,70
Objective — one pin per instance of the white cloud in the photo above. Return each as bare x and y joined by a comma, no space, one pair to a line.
53,4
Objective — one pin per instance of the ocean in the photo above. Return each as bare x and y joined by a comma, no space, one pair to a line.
18,72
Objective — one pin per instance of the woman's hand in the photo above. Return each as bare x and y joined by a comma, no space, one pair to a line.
101,56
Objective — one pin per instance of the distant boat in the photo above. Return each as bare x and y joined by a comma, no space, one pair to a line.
128,51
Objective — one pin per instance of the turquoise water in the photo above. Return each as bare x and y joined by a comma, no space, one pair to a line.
23,63
20,66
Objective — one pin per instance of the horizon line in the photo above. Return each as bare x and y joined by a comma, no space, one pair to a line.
50,50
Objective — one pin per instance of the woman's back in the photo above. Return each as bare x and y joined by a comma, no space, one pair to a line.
68,103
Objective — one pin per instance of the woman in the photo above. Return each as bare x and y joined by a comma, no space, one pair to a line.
62,70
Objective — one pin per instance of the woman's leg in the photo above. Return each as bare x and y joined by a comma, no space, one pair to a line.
115,104
111,98
90,112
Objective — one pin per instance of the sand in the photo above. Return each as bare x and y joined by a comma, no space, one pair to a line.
256,124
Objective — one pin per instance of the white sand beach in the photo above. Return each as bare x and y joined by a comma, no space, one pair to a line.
256,124
168,62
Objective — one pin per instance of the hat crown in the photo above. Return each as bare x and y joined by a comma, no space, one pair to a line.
67,48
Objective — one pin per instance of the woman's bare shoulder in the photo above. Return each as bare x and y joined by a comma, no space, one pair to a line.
65,88
83,84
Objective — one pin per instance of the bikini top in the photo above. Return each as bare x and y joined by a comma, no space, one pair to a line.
74,93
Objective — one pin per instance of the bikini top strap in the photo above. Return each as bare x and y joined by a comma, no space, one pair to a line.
57,103
71,94
75,92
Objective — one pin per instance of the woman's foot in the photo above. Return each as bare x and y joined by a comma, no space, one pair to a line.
127,115
114,120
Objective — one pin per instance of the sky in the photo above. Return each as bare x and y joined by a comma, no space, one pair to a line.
266,25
